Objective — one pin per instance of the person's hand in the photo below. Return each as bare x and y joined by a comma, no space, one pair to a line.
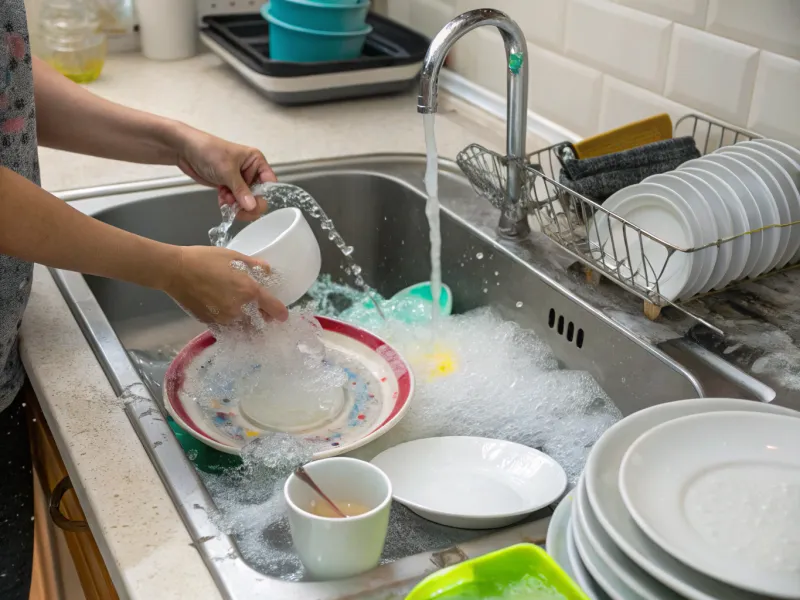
208,284
229,167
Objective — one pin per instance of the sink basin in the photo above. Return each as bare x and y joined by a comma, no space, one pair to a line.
377,204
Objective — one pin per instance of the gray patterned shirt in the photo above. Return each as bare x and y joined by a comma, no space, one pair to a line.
18,152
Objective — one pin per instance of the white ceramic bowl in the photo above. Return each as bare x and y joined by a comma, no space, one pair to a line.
471,482
284,240
333,548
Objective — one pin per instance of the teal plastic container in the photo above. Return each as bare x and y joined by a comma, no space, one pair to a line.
298,44
320,16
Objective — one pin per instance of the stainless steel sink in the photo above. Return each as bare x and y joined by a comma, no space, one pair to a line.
377,204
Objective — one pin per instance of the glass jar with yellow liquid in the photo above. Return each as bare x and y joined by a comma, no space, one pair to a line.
71,40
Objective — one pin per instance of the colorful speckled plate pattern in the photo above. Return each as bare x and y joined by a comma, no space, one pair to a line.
377,394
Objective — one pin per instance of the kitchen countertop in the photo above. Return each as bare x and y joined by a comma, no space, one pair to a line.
140,533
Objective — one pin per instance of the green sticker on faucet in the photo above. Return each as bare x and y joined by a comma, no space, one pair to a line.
515,62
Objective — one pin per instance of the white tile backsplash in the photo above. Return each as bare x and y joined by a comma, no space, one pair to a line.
622,103
773,25
776,99
688,12
429,16
563,90
735,60
712,73
542,21
627,43
483,56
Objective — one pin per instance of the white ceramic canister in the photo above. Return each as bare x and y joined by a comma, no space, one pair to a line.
168,28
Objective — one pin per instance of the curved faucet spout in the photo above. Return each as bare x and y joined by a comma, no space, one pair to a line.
517,92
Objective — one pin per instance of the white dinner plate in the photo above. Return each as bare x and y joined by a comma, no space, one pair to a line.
722,216
785,156
748,202
782,189
782,156
788,177
639,583
740,247
471,482
766,205
602,476
582,576
611,584
787,149
558,532
667,217
708,227
721,492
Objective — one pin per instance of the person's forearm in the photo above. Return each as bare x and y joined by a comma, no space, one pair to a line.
38,227
71,118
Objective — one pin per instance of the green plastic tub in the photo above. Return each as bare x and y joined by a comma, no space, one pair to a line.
521,572
204,457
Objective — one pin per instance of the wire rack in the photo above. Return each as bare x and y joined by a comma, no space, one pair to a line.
606,243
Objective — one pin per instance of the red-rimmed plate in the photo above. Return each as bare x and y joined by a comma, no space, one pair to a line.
378,394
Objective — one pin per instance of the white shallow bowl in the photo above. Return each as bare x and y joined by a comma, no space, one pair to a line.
721,492
471,482
665,215
602,485
284,240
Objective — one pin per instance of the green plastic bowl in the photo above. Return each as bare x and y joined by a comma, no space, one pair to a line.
205,458
521,572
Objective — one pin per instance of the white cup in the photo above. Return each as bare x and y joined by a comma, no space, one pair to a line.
284,240
333,548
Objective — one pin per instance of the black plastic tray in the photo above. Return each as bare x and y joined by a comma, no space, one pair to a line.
389,45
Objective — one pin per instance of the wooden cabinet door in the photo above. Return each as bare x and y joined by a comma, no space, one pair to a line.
92,572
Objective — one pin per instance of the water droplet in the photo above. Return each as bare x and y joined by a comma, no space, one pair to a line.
479,256
519,304
485,291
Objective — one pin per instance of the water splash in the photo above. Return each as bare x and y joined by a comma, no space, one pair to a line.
219,235
282,195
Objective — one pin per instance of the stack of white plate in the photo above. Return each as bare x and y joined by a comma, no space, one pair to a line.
736,189
695,499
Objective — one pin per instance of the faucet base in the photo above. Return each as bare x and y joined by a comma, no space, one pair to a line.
511,229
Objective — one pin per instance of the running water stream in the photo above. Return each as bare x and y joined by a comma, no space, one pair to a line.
432,212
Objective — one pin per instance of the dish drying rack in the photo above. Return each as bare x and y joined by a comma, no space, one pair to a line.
571,220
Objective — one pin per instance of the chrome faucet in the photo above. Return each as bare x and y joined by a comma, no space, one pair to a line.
515,224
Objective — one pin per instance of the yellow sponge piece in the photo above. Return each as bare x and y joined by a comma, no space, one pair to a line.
633,135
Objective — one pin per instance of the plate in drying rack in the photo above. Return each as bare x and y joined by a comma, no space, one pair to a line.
377,395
